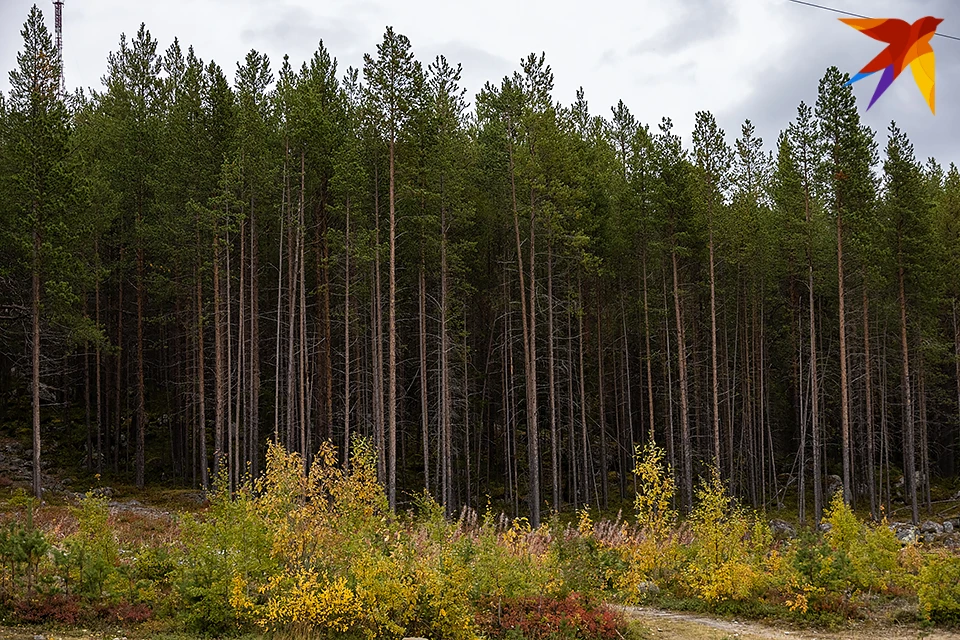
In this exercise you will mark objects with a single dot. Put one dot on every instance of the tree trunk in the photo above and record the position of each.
(814, 382)
(649, 354)
(141, 390)
(346, 342)
(551, 375)
(868, 392)
(446, 408)
(424, 409)
(587, 471)
(219, 390)
(844, 386)
(715, 384)
(602, 410)
(392, 342)
(201, 428)
(97, 366)
(909, 448)
(35, 359)
(685, 444)
(254, 356)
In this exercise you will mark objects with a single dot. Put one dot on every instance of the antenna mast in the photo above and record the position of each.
(58, 4)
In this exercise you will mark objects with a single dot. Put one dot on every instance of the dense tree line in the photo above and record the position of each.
(506, 297)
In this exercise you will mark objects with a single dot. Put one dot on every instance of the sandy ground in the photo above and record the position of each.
(674, 626)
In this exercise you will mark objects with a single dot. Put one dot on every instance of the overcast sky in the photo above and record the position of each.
(740, 59)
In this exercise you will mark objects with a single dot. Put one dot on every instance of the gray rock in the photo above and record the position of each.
(648, 588)
(834, 484)
(947, 526)
(906, 534)
(931, 527)
(103, 492)
(824, 527)
(782, 530)
(39, 637)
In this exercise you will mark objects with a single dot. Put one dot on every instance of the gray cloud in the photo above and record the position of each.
(699, 21)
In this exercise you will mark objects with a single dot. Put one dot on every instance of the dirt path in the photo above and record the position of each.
(668, 625)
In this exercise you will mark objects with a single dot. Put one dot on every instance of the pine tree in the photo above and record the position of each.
(39, 189)
(391, 79)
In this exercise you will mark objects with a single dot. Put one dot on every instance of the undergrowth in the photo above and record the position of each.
(315, 551)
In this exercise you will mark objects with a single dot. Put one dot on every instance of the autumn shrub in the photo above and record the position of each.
(939, 588)
(729, 548)
(652, 555)
(584, 562)
(539, 618)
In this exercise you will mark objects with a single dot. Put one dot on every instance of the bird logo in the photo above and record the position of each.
(907, 44)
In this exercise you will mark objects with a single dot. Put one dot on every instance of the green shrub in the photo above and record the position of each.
(939, 588)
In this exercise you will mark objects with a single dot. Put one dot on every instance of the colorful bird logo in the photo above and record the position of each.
(908, 44)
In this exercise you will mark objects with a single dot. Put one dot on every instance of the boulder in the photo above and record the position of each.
(648, 588)
(824, 527)
(782, 530)
(906, 534)
(102, 492)
(947, 526)
(930, 526)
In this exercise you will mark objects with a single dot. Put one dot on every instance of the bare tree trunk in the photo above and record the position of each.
(346, 343)
(276, 378)
(392, 342)
(201, 429)
(601, 392)
(868, 391)
(814, 384)
(424, 404)
(303, 375)
(118, 418)
(909, 447)
(327, 332)
(627, 393)
(35, 360)
(956, 352)
(533, 416)
(295, 441)
(844, 385)
(713, 354)
(685, 444)
(649, 354)
(924, 443)
(254, 357)
(86, 395)
(668, 368)
(587, 475)
(97, 361)
(571, 421)
(218, 369)
(378, 335)
(141, 387)
(551, 374)
(234, 448)
(447, 399)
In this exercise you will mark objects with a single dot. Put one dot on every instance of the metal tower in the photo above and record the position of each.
(58, 4)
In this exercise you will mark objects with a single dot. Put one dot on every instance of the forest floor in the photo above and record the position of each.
(658, 624)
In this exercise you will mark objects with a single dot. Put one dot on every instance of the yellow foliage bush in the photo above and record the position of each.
(728, 553)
